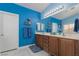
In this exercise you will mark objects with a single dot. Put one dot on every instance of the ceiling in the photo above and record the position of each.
(35, 6)
(40, 7)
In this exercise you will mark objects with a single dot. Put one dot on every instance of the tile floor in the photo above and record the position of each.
(24, 51)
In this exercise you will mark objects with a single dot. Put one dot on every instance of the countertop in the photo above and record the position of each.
(68, 36)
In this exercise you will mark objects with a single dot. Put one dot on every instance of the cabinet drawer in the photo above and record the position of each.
(45, 45)
(38, 36)
(45, 41)
(46, 37)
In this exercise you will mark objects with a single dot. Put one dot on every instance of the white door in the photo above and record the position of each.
(10, 33)
(1, 17)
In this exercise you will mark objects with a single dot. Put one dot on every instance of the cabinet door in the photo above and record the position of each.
(66, 47)
(45, 43)
(53, 45)
(39, 39)
(77, 47)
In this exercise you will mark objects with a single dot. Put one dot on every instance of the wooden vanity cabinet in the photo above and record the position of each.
(46, 43)
(66, 47)
(58, 46)
(53, 45)
(39, 40)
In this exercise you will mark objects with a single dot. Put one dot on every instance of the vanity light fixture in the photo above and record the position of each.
(54, 11)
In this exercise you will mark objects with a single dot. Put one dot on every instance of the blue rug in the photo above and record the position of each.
(35, 48)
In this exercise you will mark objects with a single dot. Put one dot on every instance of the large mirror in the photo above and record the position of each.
(40, 27)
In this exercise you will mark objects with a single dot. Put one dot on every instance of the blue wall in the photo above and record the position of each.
(24, 13)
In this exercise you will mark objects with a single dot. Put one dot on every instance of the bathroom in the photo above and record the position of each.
(40, 29)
